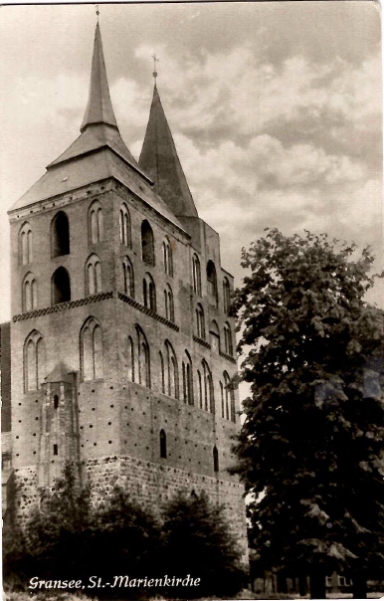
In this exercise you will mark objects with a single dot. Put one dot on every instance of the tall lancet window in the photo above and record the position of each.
(196, 275)
(226, 295)
(149, 292)
(93, 275)
(125, 226)
(25, 245)
(212, 282)
(208, 391)
(60, 235)
(147, 243)
(200, 391)
(230, 409)
(167, 257)
(91, 350)
(29, 292)
(162, 373)
(131, 359)
(169, 305)
(187, 379)
(228, 339)
(34, 361)
(144, 358)
(128, 278)
(214, 335)
(96, 223)
(200, 322)
(172, 374)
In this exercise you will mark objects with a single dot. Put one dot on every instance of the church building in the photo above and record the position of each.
(122, 344)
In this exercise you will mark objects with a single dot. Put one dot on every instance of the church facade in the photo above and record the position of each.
(123, 347)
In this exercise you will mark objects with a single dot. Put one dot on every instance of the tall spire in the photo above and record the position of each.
(160, 161)
(99, 108)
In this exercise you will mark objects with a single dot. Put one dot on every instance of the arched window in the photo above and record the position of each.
(226, 295)
(144, 358)
(91, 350)
(172, 372)
(200, 322)
(212, 282)
(95, 223)
(196, 275)
(61, 286)
(215, 459)
(167, 257)
(163, 444)
(209, 401)
(131, 359)
(34, 361)
(200, 382)
(222, 400)
(125, 226)
(169, 305)
(187, 379)
(162, 374)
(29, 296)
(128, 277)
(149, 292)
(228, 339)
(229, 407)
(55, 402)
(25, 245)
(147, 244)
(60, 235)
(214, 335)
(93, 275)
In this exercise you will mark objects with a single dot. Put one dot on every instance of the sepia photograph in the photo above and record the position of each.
(192, 301)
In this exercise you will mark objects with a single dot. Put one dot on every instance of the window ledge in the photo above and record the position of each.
(228, 357)
(201, 341)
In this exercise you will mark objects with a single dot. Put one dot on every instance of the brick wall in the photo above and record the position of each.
(5, 367)
(118, 422)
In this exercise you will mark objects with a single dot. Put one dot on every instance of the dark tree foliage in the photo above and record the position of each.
(198, 541)
(70, 539)
(311, 448)
(127, 541)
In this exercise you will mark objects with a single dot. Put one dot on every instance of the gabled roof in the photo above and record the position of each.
(60, 373)
(93, 138)
(160, 161)
(91, 168)
(97, 154)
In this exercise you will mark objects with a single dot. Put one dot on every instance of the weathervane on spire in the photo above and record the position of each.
(97, 12)
(155, 60)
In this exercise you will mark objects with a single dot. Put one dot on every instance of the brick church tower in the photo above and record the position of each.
(122, 343)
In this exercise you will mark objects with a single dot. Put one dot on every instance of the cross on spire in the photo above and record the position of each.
(97, 12)
(155, 60)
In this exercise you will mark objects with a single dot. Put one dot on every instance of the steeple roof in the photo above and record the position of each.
(159, 159)
(99, 127)
(98, 153)
(99, 108)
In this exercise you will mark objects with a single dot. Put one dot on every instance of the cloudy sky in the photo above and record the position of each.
(275, 108)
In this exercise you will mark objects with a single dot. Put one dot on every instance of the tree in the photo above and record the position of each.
(58, 534)
(69, 538)
(311, 448)
(127, 541)
(198, 541)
